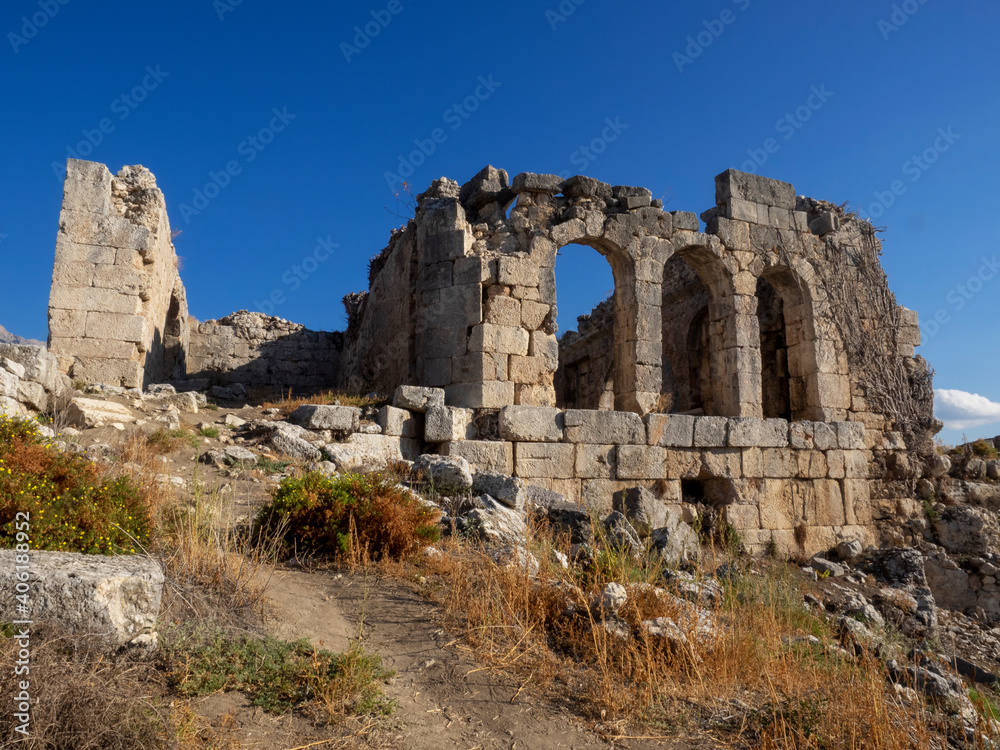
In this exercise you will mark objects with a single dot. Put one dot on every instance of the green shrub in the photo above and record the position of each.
(69, 504)
(278, 675)
(984, 449)
(350, 514)
(209, 432)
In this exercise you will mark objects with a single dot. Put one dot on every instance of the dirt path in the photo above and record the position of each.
(443, 701)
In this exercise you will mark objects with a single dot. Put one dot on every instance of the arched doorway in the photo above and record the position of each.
(776, 399)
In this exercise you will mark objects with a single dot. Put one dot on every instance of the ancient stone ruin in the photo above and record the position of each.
(761, 365)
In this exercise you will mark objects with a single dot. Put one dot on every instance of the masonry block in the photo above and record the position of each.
(641, 462)
(397, 422)
(483, 455)
(531, 424)
(670, 430)
(487, 395)
(596, 461)
(499, 339)
(443, 424)
(544, 460)
(748, 432)
(851, 435)
(710, 432)
(600, 427)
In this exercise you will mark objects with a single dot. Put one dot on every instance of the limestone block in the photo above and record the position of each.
(448, 245)
(851, 435)
(857, 502)
(479, 366)
(84, 413)
(533, 314)
(499, 339)
(114, 597)
(710, 432)
(641, 462)
(65, 297)
(812, 464)
(125, 280)
(186, 403)
(545, 346)
(32, 395)
(544, 460)
(87, 187)
(530, 370)
(444, 343)
(777, 510)
(735, 235)
(600, 427)
(836, 466)
(824, 503)
(514, 270)
(486, 395)
(95, 348)
(742, 517)
(856, 464)
(682, 464)
(415, 398)
(321, 417)
(503, 311)
(531, 424)
(117, 327)
(397, 422)
(670, 430)
(722, 463)
(447, 423)
(800, 435)
(483, 455)
(471, 270)
(735, 184)
(438, 372)
(824, 436)
(530, 182)
(596, 461)
(121, 372)
(456, 306)
(534, 395)
(67, 323)
(68, 251)
(753, 463)
(749, 432)
(361, 452)
(780, 463)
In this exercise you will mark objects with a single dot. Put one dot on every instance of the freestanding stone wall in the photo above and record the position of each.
(117, 308)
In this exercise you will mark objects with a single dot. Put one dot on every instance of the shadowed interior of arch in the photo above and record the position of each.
(687, 386)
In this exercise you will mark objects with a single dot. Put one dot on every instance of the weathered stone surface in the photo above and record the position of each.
(186, 403)
(362, 452)
(483, 455)
(394, 421)
(746, 432)
(642, 508)
(531, 424)
(596, 461)
(674, 541)
(572, 520)
(506, 490)
(641, 462)
(447, 423)
(88, 412)
(544, 460)
(601, 427)
(670, 430)
(417, 399)
(620, 536)
(116, 597)
(496, 523)
(321, 417)
(447, 473)
(710, 432)
(851, 435)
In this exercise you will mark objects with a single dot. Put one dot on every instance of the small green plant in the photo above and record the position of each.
(771, 548)
(984, 704)
(272, 466)
(930, 512)
(278, 675)
(209, 432)
(210, 406)
(167, 441)
(349, 515)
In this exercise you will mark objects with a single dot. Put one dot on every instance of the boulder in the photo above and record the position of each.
(644, 510)
(288, 442)
(495, 523)
(613, 598)
(320, 417)
(446, 473)
(675, 542)
(572, 519)
(88, 412)
(117, 597)
(415, 398)
(509, 491)
(620, 535)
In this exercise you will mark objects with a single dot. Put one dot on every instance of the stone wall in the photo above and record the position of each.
(117, 308)
(260, 351)
(30, 380)
(585, 378)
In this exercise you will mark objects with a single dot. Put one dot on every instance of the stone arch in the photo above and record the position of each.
(815, 364)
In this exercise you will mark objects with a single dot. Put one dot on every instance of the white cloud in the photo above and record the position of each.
(960, 410)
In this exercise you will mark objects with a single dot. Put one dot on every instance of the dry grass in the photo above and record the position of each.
(289, 403)
(751, 683)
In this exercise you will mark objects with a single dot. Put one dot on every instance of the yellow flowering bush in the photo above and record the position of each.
(71, 505)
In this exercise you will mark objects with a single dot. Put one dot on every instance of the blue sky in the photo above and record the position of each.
(893, 107)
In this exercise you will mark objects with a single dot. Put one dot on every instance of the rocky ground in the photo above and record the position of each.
(887, 602)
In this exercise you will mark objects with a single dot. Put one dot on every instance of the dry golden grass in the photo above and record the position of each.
(750, 683)
(289, 403)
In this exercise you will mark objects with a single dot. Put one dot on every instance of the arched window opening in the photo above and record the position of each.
(687, 386)
(775, 378)
(586, 324)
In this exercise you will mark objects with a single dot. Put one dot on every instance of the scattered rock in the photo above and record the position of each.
(621, 536)
(510, 491)
(446, 473)
(87, 412)
(644, 510)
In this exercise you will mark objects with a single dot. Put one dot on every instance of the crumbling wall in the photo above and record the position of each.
(585, 378)
(381, 341)
(117, 310)
(261, 351)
